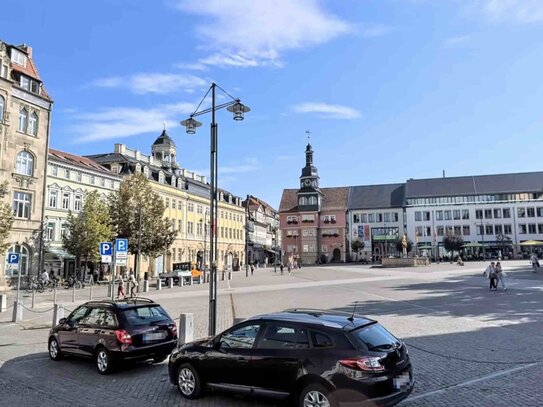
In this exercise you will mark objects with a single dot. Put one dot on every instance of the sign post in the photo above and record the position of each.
(14, 263)
(120, 255)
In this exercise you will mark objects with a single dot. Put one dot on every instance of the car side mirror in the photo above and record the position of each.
(62, 321)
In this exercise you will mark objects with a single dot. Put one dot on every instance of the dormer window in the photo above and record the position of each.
(18, 57)
(30, 84)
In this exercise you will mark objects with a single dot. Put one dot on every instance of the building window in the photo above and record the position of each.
(199, 229)
(199, 209)
(79, 176)
(540, 212)
(531, 228)
(190, 207)
(23, 120)
(167, 202)
(394, 217)
(174, 204)
(25, 163)
(3, 70)
(190, 228)
(497, 213)
(466, 230)
(448, 230)
(498, 229)
(457, 230)
(488, 213)
(522, 229)
(521, 212)
(418, 231)
(21, 205)
(507, 213)
(65, 230)
(50, 232)
(2, 107)
(480, 230)
(180, 205)
(23, 262)
(66, 200)
(364, 218)
(540, 228)
(33, 124)
(427, 231)
(67, 173)
(53, 196)
(448, 215)
(465, 214)
(531, 212)
(102, 182)
(478, 214)
(507, 229)
(78, 203)
(54, 170)
(356, 218)
(379, 217)
(426, 215)
(312, 200)
(180, 225)
(324, 248)
(386, 217)
(92, 180)
(440, 231)
(18, 57)
(439, 215)
(371, 217)
(456, 214)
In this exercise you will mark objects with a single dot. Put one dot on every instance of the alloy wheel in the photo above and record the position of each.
(53, 349)
(102, 360)
(315, 398)
(186, 381)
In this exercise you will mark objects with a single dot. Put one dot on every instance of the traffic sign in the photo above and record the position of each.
(107, 259)
(121, 262)
(13, 258)
(106, 249)
(121, 245)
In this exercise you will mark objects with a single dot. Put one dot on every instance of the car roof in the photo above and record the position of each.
(122, 303)
(326, 318)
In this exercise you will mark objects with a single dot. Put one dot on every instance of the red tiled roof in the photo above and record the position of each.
(333, 199)
(78, 160)
(254, 201)
(30, 70)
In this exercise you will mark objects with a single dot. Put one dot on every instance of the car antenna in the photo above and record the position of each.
(351, 318)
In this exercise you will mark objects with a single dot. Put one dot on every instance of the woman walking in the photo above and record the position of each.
(490, 272)
(120, 286)
(500, 275)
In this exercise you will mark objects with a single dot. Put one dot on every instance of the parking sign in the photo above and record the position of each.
(121, 245)
(106, 249)
(13, 258)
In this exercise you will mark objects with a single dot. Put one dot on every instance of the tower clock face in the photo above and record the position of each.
(307, 182)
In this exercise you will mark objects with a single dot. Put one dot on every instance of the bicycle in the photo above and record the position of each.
(72, 282)
(34, 285)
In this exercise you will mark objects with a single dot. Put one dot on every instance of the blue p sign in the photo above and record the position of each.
(106, 249)
(121, 245)
(13, 258)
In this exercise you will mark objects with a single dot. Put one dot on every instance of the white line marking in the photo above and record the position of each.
(470, 382)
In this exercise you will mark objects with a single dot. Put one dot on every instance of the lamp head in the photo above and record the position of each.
(238, 109)
(191, 124)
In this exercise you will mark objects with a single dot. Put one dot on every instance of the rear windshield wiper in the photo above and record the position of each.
(385, 346)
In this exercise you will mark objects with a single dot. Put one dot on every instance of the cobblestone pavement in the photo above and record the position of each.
(469, 346)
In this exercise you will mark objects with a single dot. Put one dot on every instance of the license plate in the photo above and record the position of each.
(154, 336)
(401, 381)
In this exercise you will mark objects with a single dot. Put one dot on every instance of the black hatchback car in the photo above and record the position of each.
(315, 357)
(113, 331)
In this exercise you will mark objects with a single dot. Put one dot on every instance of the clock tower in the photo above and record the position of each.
(309, 194)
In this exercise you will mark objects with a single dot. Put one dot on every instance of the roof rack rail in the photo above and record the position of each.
(319, 311)
(135, 300)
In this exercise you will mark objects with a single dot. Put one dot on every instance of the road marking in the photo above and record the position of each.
(470, 382)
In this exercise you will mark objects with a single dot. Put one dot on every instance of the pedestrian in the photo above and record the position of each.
(45, 277)
(120, 286)
(535, 262)
(252, 269)
(500, 275)
(281, 267)
(490, 272)
(132, 284)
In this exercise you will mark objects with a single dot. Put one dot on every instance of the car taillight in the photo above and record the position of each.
(123, 337)
(365, 363)
(173, 330)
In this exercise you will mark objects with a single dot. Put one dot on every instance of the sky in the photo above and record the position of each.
(388, 89)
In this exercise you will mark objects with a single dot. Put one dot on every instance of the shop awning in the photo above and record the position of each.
(473, 245)
(425, 247)
(59, 253)
(531, 243)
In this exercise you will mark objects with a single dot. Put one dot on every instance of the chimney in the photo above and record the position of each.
(443, 173)
(28, 49)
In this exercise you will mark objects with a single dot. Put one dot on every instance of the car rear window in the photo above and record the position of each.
(145, 315)
(374, 336)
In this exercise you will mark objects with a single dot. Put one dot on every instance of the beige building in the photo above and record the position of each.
(69, 179)
(186, 197)
(25, 111)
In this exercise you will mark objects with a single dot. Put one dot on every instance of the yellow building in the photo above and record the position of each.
(69, 178)
(186, 197)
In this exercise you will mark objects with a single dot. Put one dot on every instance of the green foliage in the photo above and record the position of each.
(89, 228)
(357, 245)
(453, 243)
(399, 246)
(6, 219)
(136, 202)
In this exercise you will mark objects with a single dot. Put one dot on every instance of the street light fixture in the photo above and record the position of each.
(238, 109)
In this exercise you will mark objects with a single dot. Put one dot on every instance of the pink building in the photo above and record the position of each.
(312, 219)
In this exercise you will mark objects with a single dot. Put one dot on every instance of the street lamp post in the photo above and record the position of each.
(247, 237)
(238, 110)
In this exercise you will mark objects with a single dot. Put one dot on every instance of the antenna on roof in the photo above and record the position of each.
(351, 318)
(443, 173)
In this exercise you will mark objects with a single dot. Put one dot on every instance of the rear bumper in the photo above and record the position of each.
(146, 352)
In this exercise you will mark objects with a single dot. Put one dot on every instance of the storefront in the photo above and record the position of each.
(383, 242)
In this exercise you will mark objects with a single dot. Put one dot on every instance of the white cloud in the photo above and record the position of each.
(328, 111)
(457, 41)
(122, 122)
(519, 11)
(252, 33)
(159, 83)
(194, 66)
(231, 170)
(376, 30)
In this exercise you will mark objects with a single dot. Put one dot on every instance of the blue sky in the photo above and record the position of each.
(390, 89)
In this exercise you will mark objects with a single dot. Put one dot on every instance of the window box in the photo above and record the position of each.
(325, 235)
(336, 235)
(333, 221)
(307, 221)
(326, 221)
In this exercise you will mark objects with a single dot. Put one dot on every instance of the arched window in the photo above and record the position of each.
(2, 106)
(25, 164)
(23, 120)
(23, 261)
(33, 124)
(312, 200)
(302, 201)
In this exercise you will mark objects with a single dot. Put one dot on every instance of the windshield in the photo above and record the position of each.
(374, 336)
(145, 315)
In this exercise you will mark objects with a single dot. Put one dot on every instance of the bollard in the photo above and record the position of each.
(181, 281)
(90, 293)
(170, 282)
(186, 329)
(17, 311)
(109, 290)
(222, 276)
(145, 286)
(73, 293)
(55, 294)
(58, 313)
(229, 275)
(158, 284)
(3, 302)
(33, 298)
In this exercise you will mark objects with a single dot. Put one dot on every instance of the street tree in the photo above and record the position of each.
(137, 213)
(357, 246)
(453, 243)
(6, 219)
(88, 228)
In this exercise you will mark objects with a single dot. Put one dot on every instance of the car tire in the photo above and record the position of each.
(160, 359)
(104, 362)
(316, 395)
(54, 349)
(188, 382)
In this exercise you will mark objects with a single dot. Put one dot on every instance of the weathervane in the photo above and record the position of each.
(164, 125)
(308, 132)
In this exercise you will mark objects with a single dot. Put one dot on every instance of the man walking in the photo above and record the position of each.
(490, 272)
(535, 262)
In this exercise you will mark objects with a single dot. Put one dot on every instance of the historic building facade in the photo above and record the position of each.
(264, 239)
(69, 179)
(25, 111)
(186, 197)
(312, 219)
